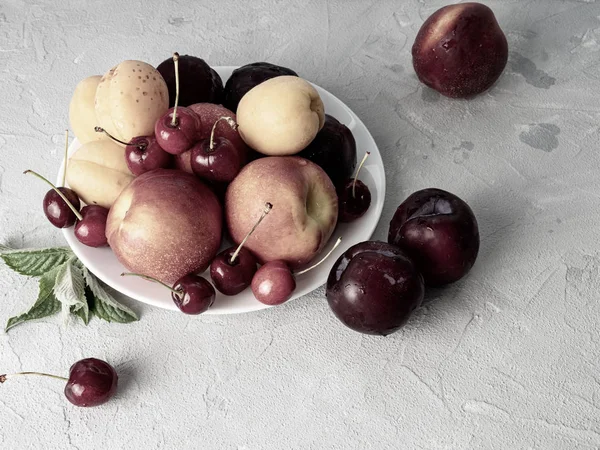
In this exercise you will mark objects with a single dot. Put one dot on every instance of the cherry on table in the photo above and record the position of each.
(274, 283)
(192, 294)
(232, 270)
(217, 159)
(354, 197)
(91, 382)
(177, 130)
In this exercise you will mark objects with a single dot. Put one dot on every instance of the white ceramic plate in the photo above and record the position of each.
(103, 263)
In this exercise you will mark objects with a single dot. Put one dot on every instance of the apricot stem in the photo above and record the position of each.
(232, 123)
(337, 243)
(268, 208)
(63, 196)
(176, 63)
(148, 278)
(356, 174)
(4, 377)
(66, 156)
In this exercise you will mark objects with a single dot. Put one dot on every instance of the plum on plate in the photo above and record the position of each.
(374, 287)
(246, 77)
(198, 82)
(439, 232)
(460, 51)
(334, 149)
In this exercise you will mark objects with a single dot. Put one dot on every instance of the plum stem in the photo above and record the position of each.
(268, 208)
(148, 278)
(176, 64)
(232, 123)
(5, 377)
(337, 243)
(63, 196)
(66, 156)
(356, 174)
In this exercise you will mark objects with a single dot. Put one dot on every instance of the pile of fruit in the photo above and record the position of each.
(172, 161)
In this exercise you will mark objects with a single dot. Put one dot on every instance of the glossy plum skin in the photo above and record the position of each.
(460, 51)
(439, 232)
(178, 138)
(352, 207)
(145, 154)
(92, 382)
(198, 82)
(231, 279)
(334, 149)
(57, 211)
(374, 287)
(91, 231)
(221, 164)
(274, 283)
(197, 294)
(246, 77)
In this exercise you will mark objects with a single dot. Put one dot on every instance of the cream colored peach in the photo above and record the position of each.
(280, 116)
(98, 172)
(82, 111)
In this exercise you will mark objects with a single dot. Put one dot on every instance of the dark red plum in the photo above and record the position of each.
(374, 287)
(246, 77)
(460, 51)
(198, 82)
(334, 149)
(439, 232)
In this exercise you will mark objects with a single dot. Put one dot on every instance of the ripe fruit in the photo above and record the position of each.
(374, 287)
(91, 228)
(439, 232)
(460, 51)
(82, 111)
(280, 116)
(354, 197)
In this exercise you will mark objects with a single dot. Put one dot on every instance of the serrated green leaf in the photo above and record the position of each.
(83, 313)
(70, 285)
(45, 305)
(104, 305)
(34, 262)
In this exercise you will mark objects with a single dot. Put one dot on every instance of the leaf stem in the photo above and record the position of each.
(154, 280)
(69, 204)
(5, 377)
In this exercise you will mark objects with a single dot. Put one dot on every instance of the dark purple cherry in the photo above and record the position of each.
(217, 159)
(177, 130)
(144, 154)
(274, 283)
(192, 294)
(91, 229)
(354, 197)
(91, 382)
(61, 205)
(232, 269)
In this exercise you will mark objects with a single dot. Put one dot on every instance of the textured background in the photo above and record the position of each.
(507, 358)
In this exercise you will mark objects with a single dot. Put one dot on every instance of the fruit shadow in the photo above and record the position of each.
(127, 375)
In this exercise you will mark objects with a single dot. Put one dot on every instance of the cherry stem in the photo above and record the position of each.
(356, 175)
(268, 208)
(337, 243)
(102, 130)
(146, 277)
(4, 377)
(66, 156)
(176, 63)
(69, 204)
(232, 123)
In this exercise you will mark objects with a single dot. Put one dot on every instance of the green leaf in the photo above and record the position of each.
(83, 313)
(34, 262)
(104, 305)
(70, 285)
(45, 305)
